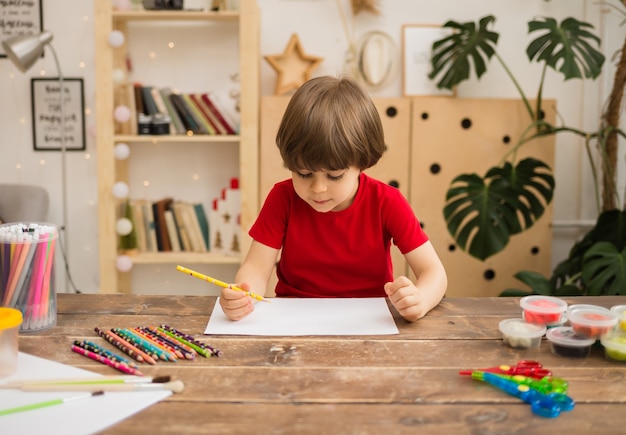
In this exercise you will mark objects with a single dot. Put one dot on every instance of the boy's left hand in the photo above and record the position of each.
(406, 298)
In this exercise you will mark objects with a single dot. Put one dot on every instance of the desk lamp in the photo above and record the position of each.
(24, 50)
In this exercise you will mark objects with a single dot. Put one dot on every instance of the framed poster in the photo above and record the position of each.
(19, 18)
(417, 42)
(46, 108)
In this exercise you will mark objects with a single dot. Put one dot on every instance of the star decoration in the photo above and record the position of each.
(294, 67)
(359, 6)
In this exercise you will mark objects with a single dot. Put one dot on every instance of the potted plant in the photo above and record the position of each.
(482, 212)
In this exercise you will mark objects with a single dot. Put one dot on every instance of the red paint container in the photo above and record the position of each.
(543, 310)
(592, 322)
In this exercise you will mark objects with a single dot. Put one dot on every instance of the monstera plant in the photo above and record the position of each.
(483, 212)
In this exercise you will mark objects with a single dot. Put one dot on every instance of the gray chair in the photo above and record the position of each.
(23, 203)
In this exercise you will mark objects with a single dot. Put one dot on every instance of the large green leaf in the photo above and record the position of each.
(610, 227)
(482, 214)
(567, 48)
(604, 270)
(451, 55)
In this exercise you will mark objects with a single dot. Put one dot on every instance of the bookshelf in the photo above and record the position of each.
(109, 132)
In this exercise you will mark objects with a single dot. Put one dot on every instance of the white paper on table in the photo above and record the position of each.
(85, 416)
(308, 316)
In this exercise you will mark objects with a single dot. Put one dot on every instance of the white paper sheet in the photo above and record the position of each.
(302, 316)
(85, 416)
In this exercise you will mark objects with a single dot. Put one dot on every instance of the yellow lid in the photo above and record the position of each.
(10, 318)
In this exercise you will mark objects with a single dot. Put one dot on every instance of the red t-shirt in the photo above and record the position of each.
(337, 254)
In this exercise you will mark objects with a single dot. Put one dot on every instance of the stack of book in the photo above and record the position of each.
(163, 111)
(169, 225)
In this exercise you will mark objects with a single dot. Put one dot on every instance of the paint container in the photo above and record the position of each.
(10, 321)
(615, 346)
(620, 311)
(543, 310)
(519, 334)
(565, 342)
(592, 322)
(575, 307)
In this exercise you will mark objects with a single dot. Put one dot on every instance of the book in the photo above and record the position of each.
(140, 226)
(204, 110)
(185, 116)
(203, 222)
(142, 119)
(160, 104)
(159, 207)
(149, 106)
(172, 231)
(181, 224)
(179, 127)
(130, 98)
(148, 219)
(210, 100)
(138, 98)
(205, 126)
(195, 234)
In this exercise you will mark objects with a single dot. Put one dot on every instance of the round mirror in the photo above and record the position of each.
(377, 58)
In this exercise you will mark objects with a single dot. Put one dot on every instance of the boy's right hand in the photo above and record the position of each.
(236, 304)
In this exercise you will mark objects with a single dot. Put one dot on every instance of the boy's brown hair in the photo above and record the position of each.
(330, 124)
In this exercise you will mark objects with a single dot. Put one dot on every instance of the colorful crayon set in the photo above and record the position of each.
(143, 345)
(27, 280)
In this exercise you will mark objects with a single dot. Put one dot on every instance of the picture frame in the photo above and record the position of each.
(46, 114)
(417, 41)
(20, 18)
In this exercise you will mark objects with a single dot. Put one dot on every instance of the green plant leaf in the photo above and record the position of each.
(604, 270)
(482, 214)
(453, 55)
(567, 48)
(610, 227)
(568, 290)
(538, 283)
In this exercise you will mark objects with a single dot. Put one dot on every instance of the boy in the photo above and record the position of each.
(334, 223)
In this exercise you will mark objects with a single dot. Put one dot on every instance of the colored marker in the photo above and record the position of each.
(104, 360)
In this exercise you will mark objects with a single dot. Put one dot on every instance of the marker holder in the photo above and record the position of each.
(27, 273)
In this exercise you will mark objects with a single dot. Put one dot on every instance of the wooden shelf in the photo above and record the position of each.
(175, 138)
(110, 170)
(171, 15)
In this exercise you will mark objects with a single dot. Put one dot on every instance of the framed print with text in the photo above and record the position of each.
(19, 18)
(417, 42)
(47, 109)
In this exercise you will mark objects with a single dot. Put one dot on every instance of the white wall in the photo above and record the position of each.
(320, 29)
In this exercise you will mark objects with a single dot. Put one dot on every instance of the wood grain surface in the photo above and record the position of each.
(357, 385)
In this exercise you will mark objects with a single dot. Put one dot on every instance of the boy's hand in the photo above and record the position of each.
(236, 304)
(406, 298)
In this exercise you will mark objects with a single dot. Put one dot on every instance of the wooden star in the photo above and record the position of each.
(359, 6)
(294, 67)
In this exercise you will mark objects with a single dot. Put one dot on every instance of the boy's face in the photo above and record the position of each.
(327, 191)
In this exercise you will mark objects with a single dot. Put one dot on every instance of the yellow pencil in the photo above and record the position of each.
(219, 283)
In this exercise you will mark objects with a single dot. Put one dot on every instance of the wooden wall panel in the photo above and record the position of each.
(440, 138)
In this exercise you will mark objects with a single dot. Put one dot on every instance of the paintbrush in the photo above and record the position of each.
(173, 386)
(47, 403)
(100, 380)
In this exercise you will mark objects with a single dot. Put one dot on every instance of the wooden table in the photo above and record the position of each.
(406, 383)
